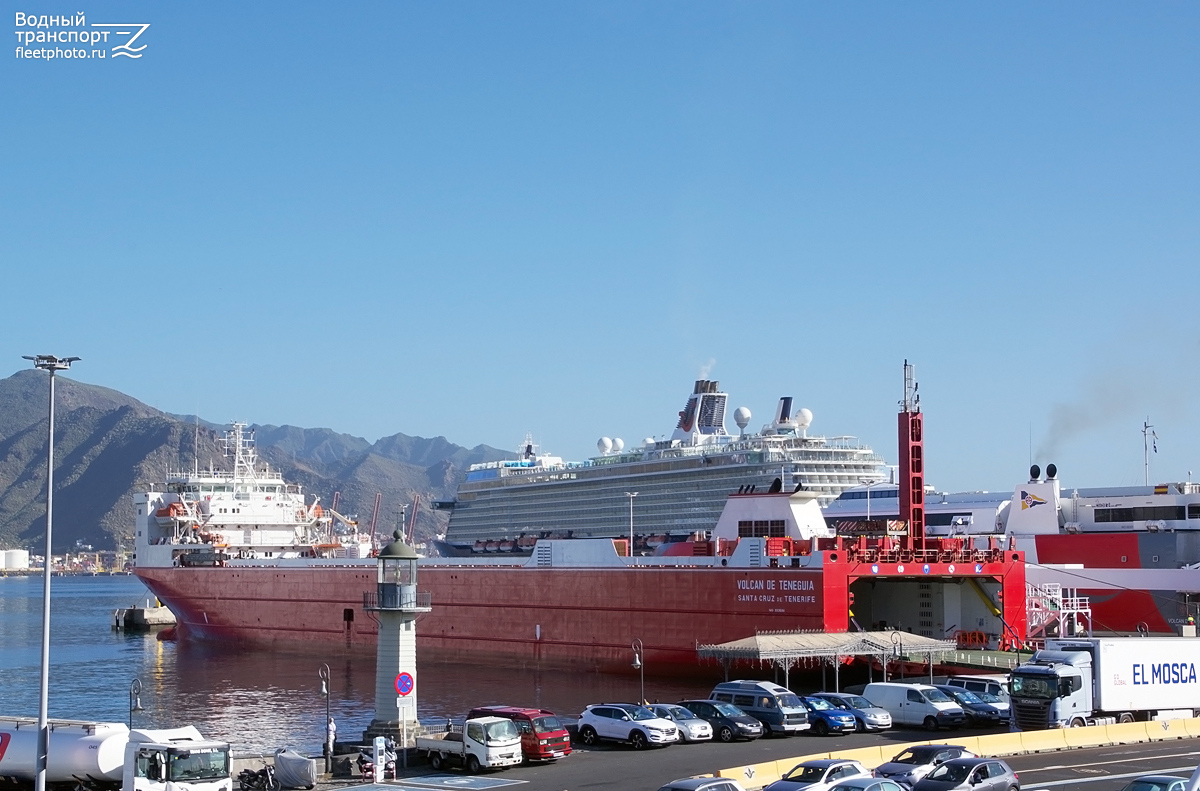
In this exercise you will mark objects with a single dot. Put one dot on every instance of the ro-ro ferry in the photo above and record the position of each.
(250, 562)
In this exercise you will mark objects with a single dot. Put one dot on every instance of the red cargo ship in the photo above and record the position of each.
(239, 556)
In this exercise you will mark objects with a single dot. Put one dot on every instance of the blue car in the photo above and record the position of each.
(826, 718)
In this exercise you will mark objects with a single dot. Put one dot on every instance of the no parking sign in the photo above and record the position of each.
(404, 684)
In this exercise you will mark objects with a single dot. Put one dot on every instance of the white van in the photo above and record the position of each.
(916, 704)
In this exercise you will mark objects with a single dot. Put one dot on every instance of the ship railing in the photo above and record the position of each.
(875, 555)
(402, 597)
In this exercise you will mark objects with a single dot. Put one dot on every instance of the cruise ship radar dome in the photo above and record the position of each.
(618, 445)
(804, 418)
(648, 442)
(604, 444)
(741, 416)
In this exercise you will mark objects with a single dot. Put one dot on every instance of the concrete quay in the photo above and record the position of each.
(142, 619)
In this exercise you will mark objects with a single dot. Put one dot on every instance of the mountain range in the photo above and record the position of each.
(108, 445)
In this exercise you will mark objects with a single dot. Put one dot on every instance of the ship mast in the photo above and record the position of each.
(912, 461)
(1149, 439)
(241, 449)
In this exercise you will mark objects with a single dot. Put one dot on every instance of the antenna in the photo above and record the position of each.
(1149, 440)
(912, 401)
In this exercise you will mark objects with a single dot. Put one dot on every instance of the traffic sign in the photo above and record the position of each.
(404, 684)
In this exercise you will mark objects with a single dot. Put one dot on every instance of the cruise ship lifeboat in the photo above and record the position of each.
(654, 542)
(480, 546)
(491, 546)
(526, 542)
(507, 545)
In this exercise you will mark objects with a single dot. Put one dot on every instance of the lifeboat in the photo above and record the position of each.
(172, 513)
(654, 542)
(480, 546)
(492, 546)
(507, 545)
(526, 542)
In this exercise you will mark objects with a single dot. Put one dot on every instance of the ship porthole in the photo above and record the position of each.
(724, 562)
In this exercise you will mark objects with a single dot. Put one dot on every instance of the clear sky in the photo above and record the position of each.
(481, 219)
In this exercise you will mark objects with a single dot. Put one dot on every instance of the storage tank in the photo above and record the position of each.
(76, 749)
(3, 560)
(17, 559)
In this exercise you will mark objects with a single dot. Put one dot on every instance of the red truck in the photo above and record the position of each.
(543, 736)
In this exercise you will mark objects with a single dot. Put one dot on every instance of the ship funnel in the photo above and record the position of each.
(703, 416)
(1051, 472)
(783, 413)
(1035, 473)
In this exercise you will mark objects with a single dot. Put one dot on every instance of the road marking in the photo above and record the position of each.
(1081, 781)
(458, 781)
(1136, 757)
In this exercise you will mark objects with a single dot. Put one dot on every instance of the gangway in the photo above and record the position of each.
(1054, 611)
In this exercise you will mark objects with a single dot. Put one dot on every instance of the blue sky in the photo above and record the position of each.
(480, 219)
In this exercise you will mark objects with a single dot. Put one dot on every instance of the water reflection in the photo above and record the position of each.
(257, 700)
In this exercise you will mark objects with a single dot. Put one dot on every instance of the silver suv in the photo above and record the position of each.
(625, 722)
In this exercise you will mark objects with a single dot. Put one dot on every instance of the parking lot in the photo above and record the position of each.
(615, 766)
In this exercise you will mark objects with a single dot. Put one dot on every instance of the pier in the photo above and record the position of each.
(142, 618)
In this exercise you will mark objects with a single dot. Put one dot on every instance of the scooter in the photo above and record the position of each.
(366, 764)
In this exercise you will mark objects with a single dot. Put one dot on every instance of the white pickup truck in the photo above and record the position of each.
(485, 743)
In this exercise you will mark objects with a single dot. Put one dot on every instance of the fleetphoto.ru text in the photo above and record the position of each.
(72, 37)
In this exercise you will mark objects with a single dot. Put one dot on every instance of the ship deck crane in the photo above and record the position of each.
(410, 530)
(375, 513)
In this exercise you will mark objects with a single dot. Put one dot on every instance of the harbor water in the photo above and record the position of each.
(257, 700)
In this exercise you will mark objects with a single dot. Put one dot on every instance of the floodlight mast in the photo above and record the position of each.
(47, 362)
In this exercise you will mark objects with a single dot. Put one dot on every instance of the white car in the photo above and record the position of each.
(703, 784)
(691, 727)
(625, 722)
(819, 775)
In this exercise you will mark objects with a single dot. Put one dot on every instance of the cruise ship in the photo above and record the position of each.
(663, 491)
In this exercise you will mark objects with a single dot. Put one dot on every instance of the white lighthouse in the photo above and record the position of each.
(397, 605)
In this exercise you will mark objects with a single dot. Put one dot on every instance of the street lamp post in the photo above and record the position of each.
(328, 750)
(638, 651)
(898, 650)
(135, 699)
(47, 362)
(869, 484)
(631, 495)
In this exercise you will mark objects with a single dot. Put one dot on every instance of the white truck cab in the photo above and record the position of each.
(173, 760)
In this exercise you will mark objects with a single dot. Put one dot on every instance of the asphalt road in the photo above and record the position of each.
(616, 767)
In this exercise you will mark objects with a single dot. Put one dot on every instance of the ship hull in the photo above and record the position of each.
(552, 616)
(1135, 581)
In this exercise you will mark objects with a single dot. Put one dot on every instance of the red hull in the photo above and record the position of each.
(583, 619)
(1159, 611)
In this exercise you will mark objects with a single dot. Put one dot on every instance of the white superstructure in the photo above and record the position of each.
(677, 486)
(246, 512)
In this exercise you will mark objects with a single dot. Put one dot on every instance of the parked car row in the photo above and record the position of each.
(937, 767)
(750, 709)
(933, 767)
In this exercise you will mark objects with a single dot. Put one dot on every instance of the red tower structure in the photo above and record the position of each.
(912, 462)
